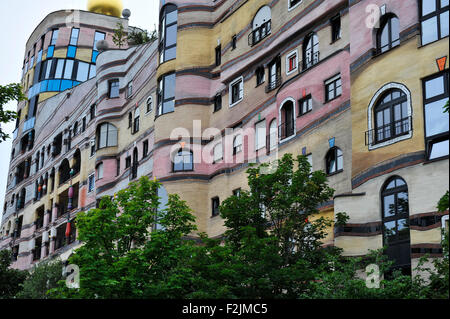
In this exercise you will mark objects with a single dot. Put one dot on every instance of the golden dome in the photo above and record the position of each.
(108, 7)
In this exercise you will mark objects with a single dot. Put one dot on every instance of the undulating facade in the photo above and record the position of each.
(358, 87)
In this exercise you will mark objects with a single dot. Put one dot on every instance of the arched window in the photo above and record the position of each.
(261, 25)
(168, 33)
(311, 52)
(273, 135)
(388, 35)
(237, 144)
(137, 114)
(334, 161)
(287, 126)
(64, 172)
(100, 171)
(149, 104)
(77, 164)
(183, 161)
(391, 116)
(395, 218)
(218, 153)
(106, 135)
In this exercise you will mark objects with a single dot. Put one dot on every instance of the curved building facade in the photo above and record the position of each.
(229, 83)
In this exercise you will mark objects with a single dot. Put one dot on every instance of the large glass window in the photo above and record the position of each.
(391, 116)
(168, 33)
(113, 89)
(389, 34)
(434, 20)
(106, 135)
(395, 217)
(166, 94)
(436, 95)
(183, 161)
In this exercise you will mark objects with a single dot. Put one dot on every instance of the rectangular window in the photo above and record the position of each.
(74, 36)
(91, 183)
(54, 36)
(260, 138)
(129, 90)
(436, 95)
(92, 147)
(236, 91)
(305, 105)
(100, 171)
(215, 203)
(82, 72)
(218, 55)
(166, 94)
(98, 37)
(128, 162)
(218, 152)
(217, 102)
(335, 28)
(333, 88)
(118, 166)
(233, 42)
(434, 20)
(92, 112)
(260, 75)
(113, 89)
(237, 192)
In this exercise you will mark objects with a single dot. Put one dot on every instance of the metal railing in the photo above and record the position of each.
(286, 130)
(388, 131)
(274, 84)
(260, 33)
(310, 61)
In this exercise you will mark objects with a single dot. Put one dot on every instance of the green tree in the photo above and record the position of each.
(40, 279)
(123, 256)
(8, 93)
(120, 35)
(137, 36)
(10, 279)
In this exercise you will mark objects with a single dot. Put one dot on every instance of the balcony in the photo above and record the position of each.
(310, 61)
(389, 131)
(260, 33)
(274, 83)
(286, 130)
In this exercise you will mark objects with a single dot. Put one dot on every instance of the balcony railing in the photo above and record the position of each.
(310, 61)
(286, 130)
(260, 33)
(274, 84)
(389, 131)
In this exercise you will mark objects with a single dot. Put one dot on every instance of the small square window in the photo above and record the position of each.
(305, 105)
(236, 91)
(291, 62)
(113, 89)
(333, 88)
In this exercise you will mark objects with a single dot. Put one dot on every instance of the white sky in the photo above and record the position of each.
(18, 19)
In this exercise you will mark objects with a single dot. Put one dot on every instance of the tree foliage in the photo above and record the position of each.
(11, 92)
(10, 279)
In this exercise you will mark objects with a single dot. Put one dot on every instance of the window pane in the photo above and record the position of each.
(92, 71)
(59, 69)
(389, 206)
(389, 231)
(428, 6)
(68, 70)
(439, 149)
(170, 54)
(171, 17)
(340, 162)
(434, 87)
(168, 107)
(171, 35)
(429, 30)
(384, 40)
(112, 136)
(83, 71)
(444, 3)
(403, 229)
(436, 120)
(444, 24)
(395, 29)
(402, 202)
(169, 87)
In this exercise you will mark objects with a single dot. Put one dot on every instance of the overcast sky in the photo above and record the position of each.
(18, 19)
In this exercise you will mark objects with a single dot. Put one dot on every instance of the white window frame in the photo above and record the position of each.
(230, 91)
(295, 6)
(93, 184)
(292, 53)
(98, 171)
(295, 119)
(370, 115)
(216, 157)
(257, 146)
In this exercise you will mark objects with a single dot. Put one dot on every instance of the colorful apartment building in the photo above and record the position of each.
(356, 86)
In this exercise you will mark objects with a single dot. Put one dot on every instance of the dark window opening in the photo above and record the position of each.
(334, 161)
(215, 203)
